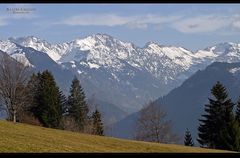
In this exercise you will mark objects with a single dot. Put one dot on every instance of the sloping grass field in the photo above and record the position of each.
(17, 137)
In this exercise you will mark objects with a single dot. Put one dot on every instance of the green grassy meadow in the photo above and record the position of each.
(18, 137)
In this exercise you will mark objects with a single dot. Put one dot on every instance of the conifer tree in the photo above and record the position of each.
(51, 110)
(97, 123)
(218, 117)
(188, 139)
(63, 102)
(33, 88)
(46, 100)
(77, 106)
(238, 111)
(230, 136)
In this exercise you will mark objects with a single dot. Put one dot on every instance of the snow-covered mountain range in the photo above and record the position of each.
(120, 72)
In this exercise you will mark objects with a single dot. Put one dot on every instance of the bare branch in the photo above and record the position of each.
(13, 80)
(152, 125)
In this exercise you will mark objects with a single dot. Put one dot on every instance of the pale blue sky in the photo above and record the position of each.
(193, 26)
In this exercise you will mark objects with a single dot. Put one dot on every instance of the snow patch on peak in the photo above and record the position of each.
(93, 65)
(205, 54)
(8, 46)
(151, 43)
(79, 72)
(26, 39)
(234, 70)
(73, 64)
(102, 36)
(22, 59)
(221, 48)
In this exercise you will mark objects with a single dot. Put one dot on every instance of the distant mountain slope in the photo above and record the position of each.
(124, 128)
(185, 104)
(110, 113)
(128, 87)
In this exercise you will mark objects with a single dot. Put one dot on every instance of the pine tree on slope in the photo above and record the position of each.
(46, 100)
(32, 88)
(77, 106)
(97, 123)
(230, 136)
(188, 139)
(238, 111)
(63, 102)
(219, 116)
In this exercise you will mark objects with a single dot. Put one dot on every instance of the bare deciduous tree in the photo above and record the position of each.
(13, 79)
(70, 124)
(88, 128)
(152, 125)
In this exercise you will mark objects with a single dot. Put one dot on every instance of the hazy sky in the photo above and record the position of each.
(193, 26)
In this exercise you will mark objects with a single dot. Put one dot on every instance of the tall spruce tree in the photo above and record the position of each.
(33, 88)
(51, 110)
(230, 136)
(63, 102)
(238, 111)
(77, 106)
(46, 100)
(97, 123)
(218, 117)
(188, 139)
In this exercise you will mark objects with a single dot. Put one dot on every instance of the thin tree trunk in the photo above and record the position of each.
(14, 116)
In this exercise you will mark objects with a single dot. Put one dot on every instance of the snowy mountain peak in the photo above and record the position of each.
(7, 46)
(30, 40)
(162, 61)
(53, 50)
(107, 40)
(221, 47)
(102, 36)
(14, 51)
(222, 52)
(102, 48)
(97, 38)
(152, 43)
(94, 40)
(168, 51)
